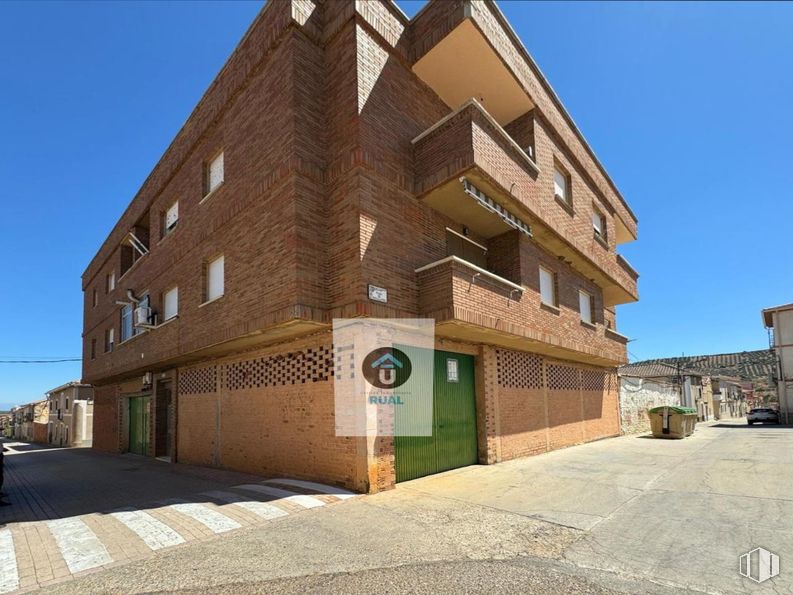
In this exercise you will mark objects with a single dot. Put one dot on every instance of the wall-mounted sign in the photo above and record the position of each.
(378, 294)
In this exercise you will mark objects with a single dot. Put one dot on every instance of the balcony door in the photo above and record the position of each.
(462, 247)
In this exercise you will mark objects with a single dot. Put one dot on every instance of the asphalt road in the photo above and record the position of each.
(626, 515)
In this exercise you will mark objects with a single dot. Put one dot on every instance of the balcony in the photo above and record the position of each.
(467, 161)
(470, 303)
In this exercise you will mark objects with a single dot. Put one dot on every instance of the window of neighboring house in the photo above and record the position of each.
(585, 306)
(67, 405)
(170, 303)
(127, 328)
(93, 348)
(95, 298)
(547, 287)
(110, 336)
(561, 185)
(170, 218)
(599, 224)
(214, 174)
(214, 279)
(110, 284)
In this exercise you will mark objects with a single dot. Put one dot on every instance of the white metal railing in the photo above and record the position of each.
(478, 270)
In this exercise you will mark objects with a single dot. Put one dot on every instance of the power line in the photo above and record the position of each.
(40, 361)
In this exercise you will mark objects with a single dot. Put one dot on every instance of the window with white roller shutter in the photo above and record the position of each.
(170, 303)
(215, 279)
(214, 174)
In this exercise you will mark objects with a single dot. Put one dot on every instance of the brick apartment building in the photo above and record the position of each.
(345, 148)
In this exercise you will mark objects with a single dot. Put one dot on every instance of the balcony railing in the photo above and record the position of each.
(470, 302)
(469, 149)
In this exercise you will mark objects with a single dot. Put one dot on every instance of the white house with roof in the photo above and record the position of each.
(71, 414)
(779, 321)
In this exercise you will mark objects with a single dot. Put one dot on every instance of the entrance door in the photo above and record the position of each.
(139, 425)
(453, 440)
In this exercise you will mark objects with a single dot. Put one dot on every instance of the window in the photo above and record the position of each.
(585, 306)
(452, 370)
(95, 298)
(599, 224)
(547, 287)
(127, 328)
(136, 244)
(67, 404)
(214, 279)
(170, 218)
(111, 282)
(214, 174)
(110, 336)
(170, 303)
(561, 185)
(93, 348)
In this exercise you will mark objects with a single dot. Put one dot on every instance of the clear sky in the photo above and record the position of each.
(687, 105)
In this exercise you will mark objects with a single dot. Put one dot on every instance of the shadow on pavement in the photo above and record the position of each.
(745, 426)
(47, 483)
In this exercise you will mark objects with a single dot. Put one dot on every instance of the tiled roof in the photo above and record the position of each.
(747, 365)
(648, 369)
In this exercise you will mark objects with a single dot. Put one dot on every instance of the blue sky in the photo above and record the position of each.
(687, 105)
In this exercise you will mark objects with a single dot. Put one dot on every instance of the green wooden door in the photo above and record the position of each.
(453, 440)
(139, 425)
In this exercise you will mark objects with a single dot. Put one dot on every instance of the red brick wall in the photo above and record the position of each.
(271, 413)
(545, 404)
(106, 418)
(315, 112)
(267, 219)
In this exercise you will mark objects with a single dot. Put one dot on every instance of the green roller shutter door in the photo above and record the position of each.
(453, 440)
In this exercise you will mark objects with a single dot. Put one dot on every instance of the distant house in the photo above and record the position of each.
(6, 423)
(30, 422)
(779, 321)
(71, 410)
(718, 386)
(644, 385)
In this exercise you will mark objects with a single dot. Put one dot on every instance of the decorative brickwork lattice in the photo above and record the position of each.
(562, 377)
(519, 370)
(612, 384)
(198, 381)
(314, 364)
(593, 380)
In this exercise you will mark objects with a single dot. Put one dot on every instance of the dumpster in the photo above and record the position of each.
(672, 422)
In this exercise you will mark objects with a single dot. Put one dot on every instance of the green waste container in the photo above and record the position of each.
(672, 422)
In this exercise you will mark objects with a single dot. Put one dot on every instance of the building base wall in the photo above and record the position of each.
(271, 412)
(542, 404)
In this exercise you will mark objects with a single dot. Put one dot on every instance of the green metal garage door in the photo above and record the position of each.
(453, 440)
(139, 425)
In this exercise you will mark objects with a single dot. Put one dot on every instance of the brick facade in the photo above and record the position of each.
(338, 159)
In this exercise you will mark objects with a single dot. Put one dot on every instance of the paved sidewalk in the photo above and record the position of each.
(624, 515)
(76, 512)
